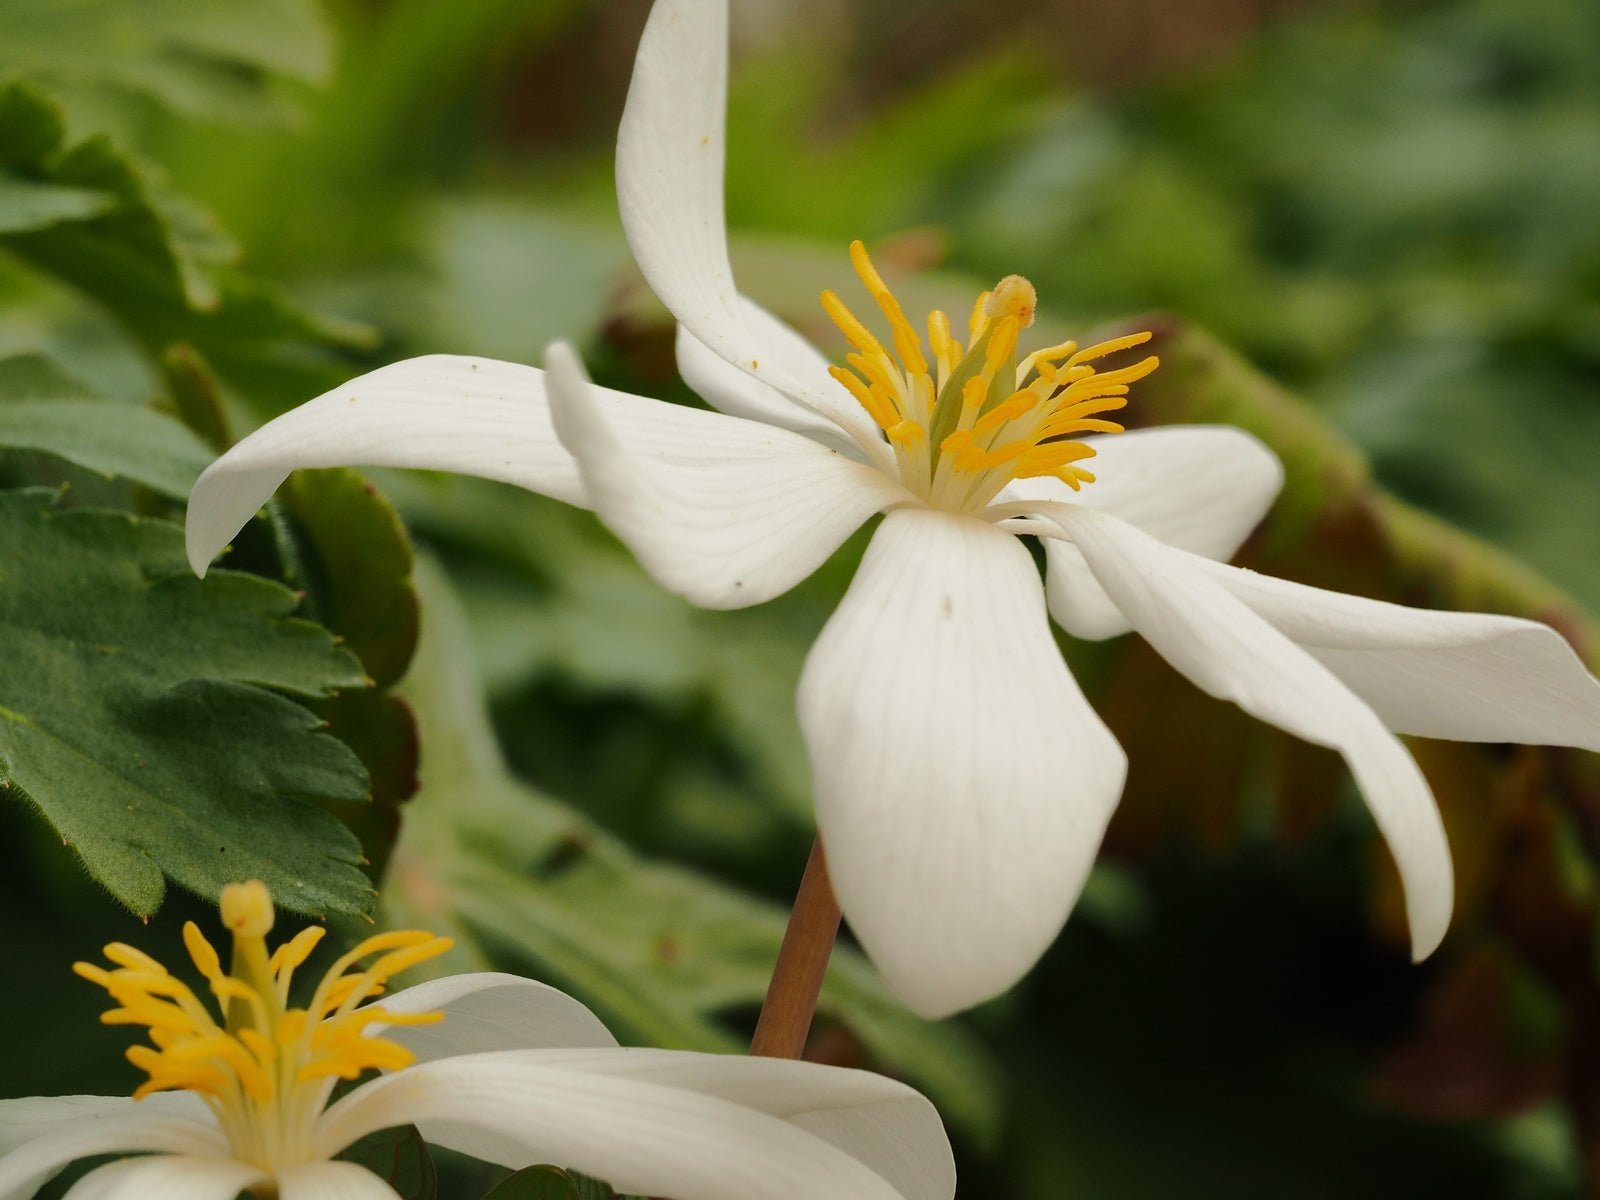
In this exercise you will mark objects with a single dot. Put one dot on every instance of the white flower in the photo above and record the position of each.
(962, 781)
(506, 1070)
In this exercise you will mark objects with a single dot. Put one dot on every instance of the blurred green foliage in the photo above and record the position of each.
(1389, 208)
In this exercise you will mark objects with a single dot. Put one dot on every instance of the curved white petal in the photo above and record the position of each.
(24, 1119)
(962, 781)
(1214, 638)
(670, 149)
(1471, 677)
(888, 1126)
(738, 393)
(107, 1131)
(477, 416)
(332, 1181)
(1202, 488)
(643, 1138)
(167, 1177)
(490, 1011)
(727, 533)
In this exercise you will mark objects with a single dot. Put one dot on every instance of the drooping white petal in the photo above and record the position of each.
(1471, 677)
(476, 416)
(642, 1138)
(167, 1177)
(962, 781)
(738, 393)
(888, 1126)
(1214, 638)
(24, 1119)
(1201, 488)
(107, 1131)
(728, 533)
(670, 149)
(332, 1181)
(491, 1011)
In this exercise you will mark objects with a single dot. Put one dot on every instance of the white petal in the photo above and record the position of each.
(490, 1011)
(1201, 488)
(476, 416)
(884, 1124)
(738, 393)
(725, 533)
(34, 1116)
(1227, 650)
(169, 1177)
(963, 783)
(1472, 677)
(641, 1137)
(104, 1131)
(332, 1181)
(669, 188)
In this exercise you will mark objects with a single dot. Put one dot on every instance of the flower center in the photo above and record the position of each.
(974, 419)
(266, 1070)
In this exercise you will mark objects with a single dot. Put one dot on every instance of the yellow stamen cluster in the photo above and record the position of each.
(972, 419)
(265, 1069)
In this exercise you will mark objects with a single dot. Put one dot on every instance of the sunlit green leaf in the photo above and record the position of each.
(43, 409)
(142, 717)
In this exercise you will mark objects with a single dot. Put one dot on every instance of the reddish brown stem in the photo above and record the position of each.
(802, 961)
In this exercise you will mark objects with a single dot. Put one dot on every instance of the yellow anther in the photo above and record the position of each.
(296, 950)
(946, 350)
(957, 442)
(259, 1069)
(1013, 406)
(1013, 296)
(134, 960)
(906, 432)
(205, 957)
(905, 337)
(1101, 349)
(401, 960)
(876, 408)
(1002, 345)
(849, 324)
(979, 320)
(960, 429)
(973, 393)
(247, 909)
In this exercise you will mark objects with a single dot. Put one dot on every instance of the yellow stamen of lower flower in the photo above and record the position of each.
(265, 1069)
(972, 421)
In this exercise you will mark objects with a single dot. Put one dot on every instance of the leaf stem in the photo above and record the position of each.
(802, 961)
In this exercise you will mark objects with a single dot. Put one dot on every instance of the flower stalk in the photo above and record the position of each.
(791, 1001)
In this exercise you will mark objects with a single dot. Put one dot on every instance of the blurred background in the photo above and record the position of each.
(1391, 211)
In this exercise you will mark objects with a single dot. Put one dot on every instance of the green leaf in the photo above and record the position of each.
(664, 955)
(214, 61)
(546, 1182)
(43, 409)
(358, 561)
(400, 1158)
(25, 204)
(137, 718)
(158, 263)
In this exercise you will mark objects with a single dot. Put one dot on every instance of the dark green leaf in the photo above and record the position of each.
(550, 1183)
(358, 560)
(43, 409)
(400, 1158)
(536, 1183)
(137, 718)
